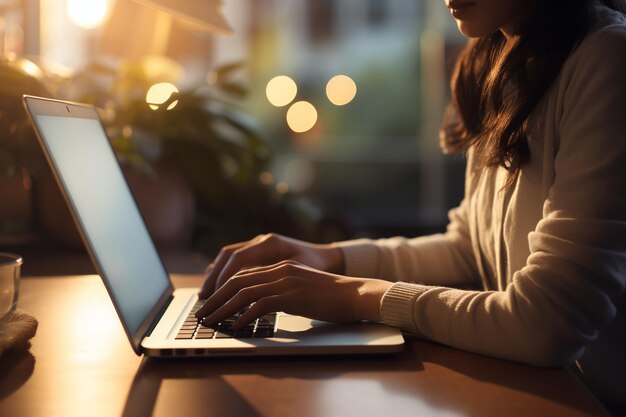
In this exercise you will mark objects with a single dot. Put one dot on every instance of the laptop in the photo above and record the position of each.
(157, 318)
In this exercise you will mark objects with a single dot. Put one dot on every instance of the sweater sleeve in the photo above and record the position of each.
(564, 295)
(441, 259)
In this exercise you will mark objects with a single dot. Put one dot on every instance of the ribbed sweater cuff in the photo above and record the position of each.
(360, 257)
(397, 305)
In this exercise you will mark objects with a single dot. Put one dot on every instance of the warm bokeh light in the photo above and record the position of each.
(87, 14)
(281, 90)
(159, 94)
(29, 67)
(127, 131)
(266, 178)
(301, 116)
(282, 188)
(341, 90)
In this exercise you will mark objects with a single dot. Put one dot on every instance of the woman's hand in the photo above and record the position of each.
(267, 250)
(296, 289)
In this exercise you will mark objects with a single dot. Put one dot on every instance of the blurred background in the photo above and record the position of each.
(317, 119)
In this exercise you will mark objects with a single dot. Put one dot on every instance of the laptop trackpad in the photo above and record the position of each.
(300, 328)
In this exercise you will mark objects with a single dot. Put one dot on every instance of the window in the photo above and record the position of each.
(372, 165)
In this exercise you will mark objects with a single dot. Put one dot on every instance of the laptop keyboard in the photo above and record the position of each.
(193, 328)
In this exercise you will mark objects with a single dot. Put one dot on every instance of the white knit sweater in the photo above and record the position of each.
(549, 254)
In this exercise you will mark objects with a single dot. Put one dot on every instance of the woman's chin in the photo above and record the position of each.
(473, 29)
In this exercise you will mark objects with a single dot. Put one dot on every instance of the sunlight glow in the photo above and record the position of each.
(87, 14)
(29, 67)
(159, 94)
(281, 90)
(341, 90)
(162, 68)
(301, 116)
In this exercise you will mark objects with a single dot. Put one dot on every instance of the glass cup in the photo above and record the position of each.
(9, 282)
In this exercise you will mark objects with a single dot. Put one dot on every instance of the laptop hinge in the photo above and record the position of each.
(154, 323)
(153, 318)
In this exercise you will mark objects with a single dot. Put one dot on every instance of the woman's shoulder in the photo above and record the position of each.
(589, 98)
(601, 55)
(607, 37)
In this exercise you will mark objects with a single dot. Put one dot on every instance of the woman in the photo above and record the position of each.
(539, 107)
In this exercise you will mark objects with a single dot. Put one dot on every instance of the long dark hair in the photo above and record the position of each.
(496, 84)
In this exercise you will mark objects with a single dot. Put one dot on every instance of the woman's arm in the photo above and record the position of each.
(565, 294)
(441, 259)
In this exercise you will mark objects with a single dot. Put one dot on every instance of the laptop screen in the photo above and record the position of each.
(111, 222)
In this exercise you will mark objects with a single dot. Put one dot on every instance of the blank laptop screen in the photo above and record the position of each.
(111, 220)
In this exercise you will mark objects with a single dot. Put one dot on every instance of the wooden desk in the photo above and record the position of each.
(80, 364)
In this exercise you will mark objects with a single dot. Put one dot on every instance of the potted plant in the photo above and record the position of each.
(197, 140)
(20, 157)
